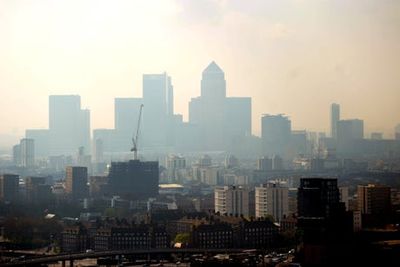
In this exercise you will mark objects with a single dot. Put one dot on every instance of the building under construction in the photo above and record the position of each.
(134, 179)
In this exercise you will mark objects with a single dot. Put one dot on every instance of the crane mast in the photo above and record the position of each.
(135, 138)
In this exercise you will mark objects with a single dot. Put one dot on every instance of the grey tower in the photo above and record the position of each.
(335, 117)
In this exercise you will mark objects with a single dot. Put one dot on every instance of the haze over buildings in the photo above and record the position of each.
(282, 60)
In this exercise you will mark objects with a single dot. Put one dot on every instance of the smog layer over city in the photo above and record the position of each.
(199, 133)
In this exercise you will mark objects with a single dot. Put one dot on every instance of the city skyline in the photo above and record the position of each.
(353, 66)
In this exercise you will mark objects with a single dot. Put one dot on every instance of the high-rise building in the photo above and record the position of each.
(275, 134)
(316, 197)
(126, 117)
(272, 199)
(237, 121)
(69, 125)
(37, 189)
(220, 120)
(134, 179)
(373, 199)
(27, 147)
(232, 200)
(9, 185)
(335, 117)
(348, 133)
(158, 110)
(76, 182)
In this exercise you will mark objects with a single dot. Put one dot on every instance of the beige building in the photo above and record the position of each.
(373, 199)
(272, 199)
(232, 200)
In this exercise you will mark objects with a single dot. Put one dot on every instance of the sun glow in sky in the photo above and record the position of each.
(291, 56)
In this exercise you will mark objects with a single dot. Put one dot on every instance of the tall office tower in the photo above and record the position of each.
(335, 117)
(37, 190)
(272, 199)
(212, 107)
(27, 147)
(348, 133)
(374, 199)
(9, 185)
(76, 182)
(275, 134)
(316, 197)
(323, 221)
(126, 117)
(17, 155)
(237, 121)
(158, 110)
(69, 125)
(232, 200)
(134, 179)
(264, 164)
(221, 120)
(397, 132)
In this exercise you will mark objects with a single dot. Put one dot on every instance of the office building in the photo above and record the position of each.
(134, 179)
(272, 199)
(158, 110)
(76, 182)
(335, 117)
(316, 197)
(9, 185)
(232, 200)
(220, 120)
(126, 115)
(69, 128)
(348, 133)
(37, 190)
(275, 134)
(374, 199)
(69, 125)
(27, 147)
(237, 121)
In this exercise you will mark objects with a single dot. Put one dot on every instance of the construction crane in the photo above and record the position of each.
(135, 138)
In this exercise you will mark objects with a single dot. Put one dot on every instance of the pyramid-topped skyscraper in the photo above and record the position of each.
(219, 119)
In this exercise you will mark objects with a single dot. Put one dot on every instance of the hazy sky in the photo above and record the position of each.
(291, 56)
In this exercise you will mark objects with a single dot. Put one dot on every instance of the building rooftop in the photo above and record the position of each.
(213, 68)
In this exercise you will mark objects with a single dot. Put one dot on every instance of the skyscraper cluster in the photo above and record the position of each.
(216, 122)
